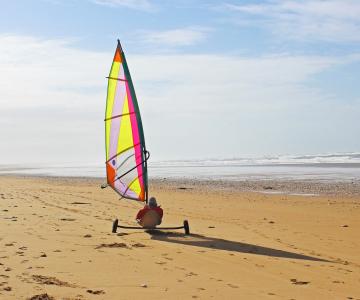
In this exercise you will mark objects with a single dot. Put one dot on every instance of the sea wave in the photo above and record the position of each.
(318, 159)
(336, 166)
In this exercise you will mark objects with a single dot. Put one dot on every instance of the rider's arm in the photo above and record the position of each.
(141, 213)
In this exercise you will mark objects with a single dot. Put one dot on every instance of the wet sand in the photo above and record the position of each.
(55, 239)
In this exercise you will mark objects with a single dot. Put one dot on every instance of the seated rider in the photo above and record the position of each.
(151, 205)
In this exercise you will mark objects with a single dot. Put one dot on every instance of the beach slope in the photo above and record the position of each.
(55, 239)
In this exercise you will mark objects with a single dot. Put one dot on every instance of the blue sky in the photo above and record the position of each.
(213, 78)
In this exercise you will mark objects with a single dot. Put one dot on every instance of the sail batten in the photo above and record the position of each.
(117, 154)
(118, 116)
(119, 79)
(126, 153)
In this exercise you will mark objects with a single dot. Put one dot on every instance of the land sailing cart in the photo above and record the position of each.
(126, 154)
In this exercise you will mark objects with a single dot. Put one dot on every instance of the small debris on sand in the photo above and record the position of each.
(344, 225)
(67, 219)
(268, 187)
(113, 245)
(8, 288)
(144, 285)
(295, 281)
(337, 281)
(211, 226)
(96, 292)
(51, 281)
(191, 274)
(87, 236)
(138, 245)
(41, 297)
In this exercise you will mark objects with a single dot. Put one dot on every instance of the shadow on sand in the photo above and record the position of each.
(198, 240)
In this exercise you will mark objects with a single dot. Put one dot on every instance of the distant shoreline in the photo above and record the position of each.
(230, 171)
(268, 186)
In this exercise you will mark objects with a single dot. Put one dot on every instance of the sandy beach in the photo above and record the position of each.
(55, 239)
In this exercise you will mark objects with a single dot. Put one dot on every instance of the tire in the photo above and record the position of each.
(115, 226)
(186, 227)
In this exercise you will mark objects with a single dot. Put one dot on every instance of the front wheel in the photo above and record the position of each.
(115, 226)
(186, 227)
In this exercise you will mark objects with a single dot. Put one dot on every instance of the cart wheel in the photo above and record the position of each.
(115, 226)
(186, 227)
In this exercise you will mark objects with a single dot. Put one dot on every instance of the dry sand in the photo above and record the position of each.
(55, 239)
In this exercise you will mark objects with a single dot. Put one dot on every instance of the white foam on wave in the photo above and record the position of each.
(334, 158)
(329, 167)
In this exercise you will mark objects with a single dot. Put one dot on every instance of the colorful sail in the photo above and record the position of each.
(126, 154)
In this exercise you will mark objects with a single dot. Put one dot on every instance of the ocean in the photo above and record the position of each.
(323, 167)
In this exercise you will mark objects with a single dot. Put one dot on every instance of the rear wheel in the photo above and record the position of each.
(186, 227)
(115, 226)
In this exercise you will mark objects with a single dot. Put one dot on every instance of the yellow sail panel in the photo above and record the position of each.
(126, 140)
(110, 101)
(135, 186)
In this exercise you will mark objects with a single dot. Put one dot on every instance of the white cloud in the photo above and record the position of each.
(32, 68)
(332, 20)
(50, 96)
(175, 37)
(52, 99)
(134, 4)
